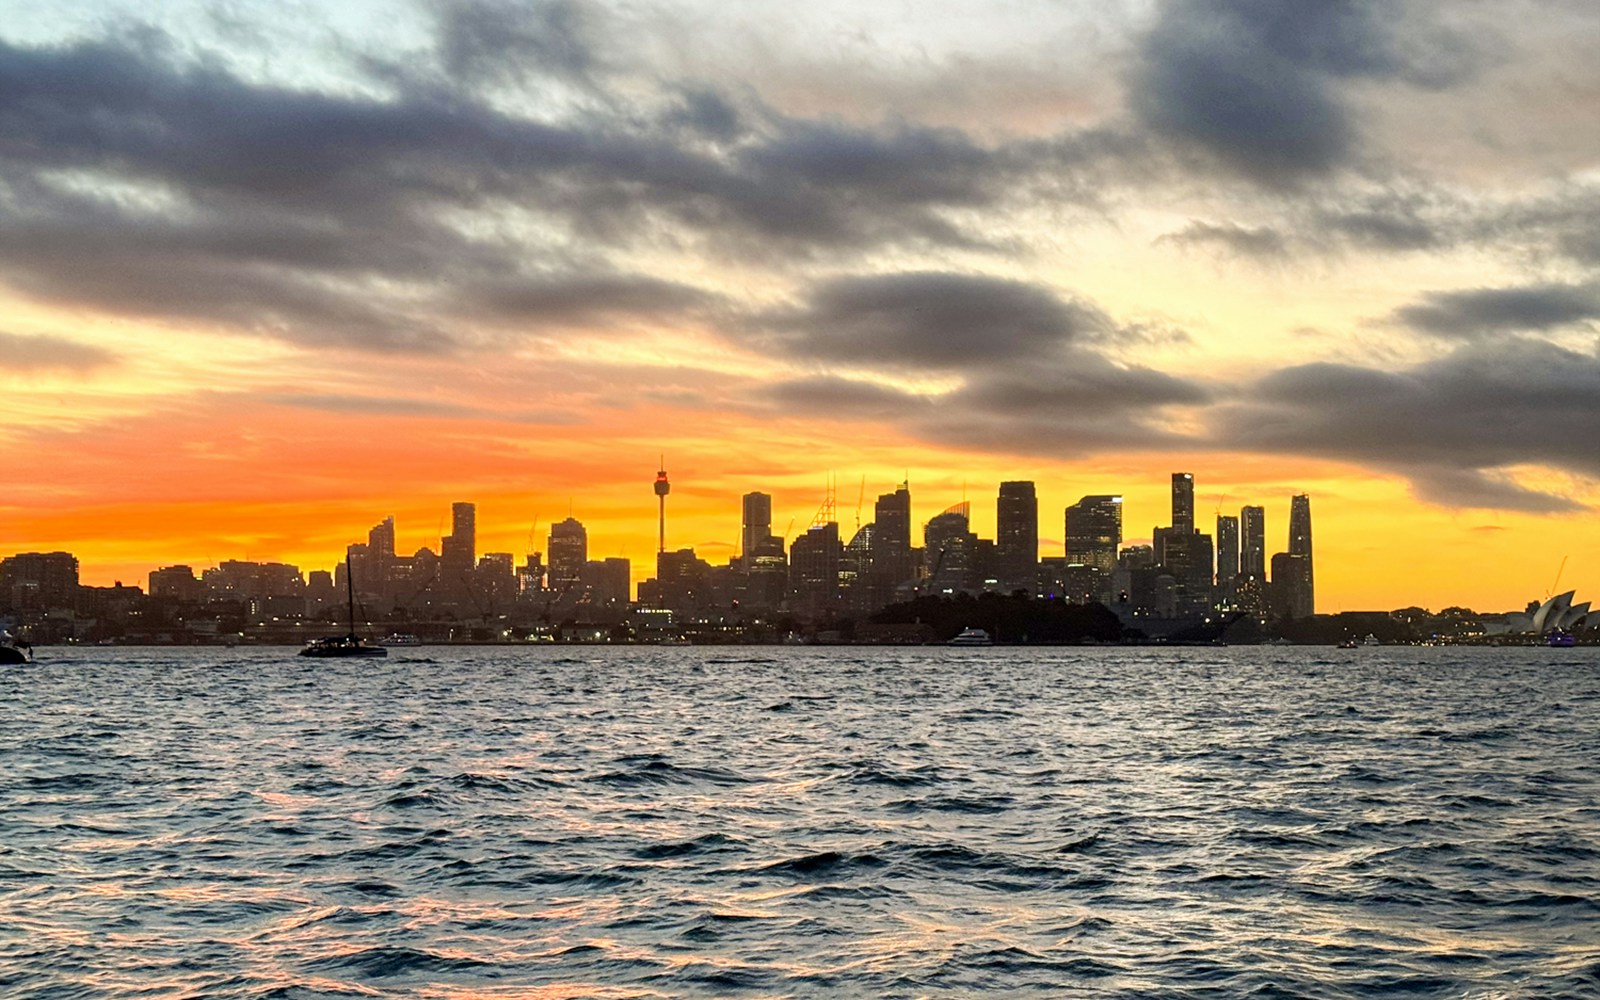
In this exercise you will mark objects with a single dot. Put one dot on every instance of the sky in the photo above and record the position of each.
(270, 272)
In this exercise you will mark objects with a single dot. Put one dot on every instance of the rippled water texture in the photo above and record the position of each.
(801, 823)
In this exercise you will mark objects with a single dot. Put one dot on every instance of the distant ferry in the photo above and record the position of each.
(971, 637)
(400, 639)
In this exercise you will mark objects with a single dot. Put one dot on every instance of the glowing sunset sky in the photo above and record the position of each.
(272, 271)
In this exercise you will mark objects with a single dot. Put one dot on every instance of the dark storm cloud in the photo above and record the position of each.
(934, 320)
(1481, 311)
(29, 353)
(1449, 424)
(1257, 84)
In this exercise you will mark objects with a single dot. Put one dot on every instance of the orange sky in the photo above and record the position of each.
(260, 288)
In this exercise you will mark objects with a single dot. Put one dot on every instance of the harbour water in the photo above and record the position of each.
(796, 822)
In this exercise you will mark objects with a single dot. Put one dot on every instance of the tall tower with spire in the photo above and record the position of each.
(662, 489)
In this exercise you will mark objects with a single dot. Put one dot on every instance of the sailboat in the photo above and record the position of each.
(348, 644)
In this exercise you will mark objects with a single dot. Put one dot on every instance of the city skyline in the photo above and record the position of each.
(264, 274)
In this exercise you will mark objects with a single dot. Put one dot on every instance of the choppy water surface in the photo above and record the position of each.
(554, 823)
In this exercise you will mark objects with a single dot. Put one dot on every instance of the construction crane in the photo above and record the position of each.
(861, 498)
(1557, 582)
(828, 512)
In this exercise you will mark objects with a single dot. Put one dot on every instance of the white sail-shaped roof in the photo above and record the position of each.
(1551, 611)
(1572, 616)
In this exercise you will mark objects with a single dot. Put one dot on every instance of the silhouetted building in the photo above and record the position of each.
(1093, 529)
(947, 548)
(41, 581)
(768, 582)
(1016, 538)
(234, 579)
(569, 550)
(855, 573)
(1183, 502)
(891, 537)
(1291, 586)
(608, 580)
(381, 557)
(177, 583)
(757, 525)
(458, 556)
(814, 570)
(1227, 554)
(682, 583)
(1253, 543)
(495, 583)
(1300, 545)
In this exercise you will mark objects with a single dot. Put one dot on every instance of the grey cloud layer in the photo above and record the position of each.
(1257, 84)
(1449, 424)
(422, 211)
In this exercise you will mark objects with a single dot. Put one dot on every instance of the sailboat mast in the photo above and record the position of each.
(350, 590)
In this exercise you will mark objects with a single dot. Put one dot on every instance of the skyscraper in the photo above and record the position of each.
(1300, 545)
(947, 548)
(757, 525)
(891, 536)
(814, 569)
(1227, 552)
(1017, 537)
(1253, 543)
(1094, 532)
(458, 554)
(464, 530)
(569, 551)
(1183, 503)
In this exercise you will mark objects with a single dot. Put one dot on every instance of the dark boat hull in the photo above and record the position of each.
(343, 646)
(12, 655)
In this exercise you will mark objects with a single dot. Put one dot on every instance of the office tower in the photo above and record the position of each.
(757, 524)
(662, 489)
(1017, 537)
(814, 569)
(1290, 591)
(1227, 552)
(1300, 545)
(947, 548)
(1188, 560)
(768, 567)
(380, 560)
(1183, 503)
(569, 550)
(1253, 543)
(1094, 532)
(891, 537)
(464, 531)
(607, 580)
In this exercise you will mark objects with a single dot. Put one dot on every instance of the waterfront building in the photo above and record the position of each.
(568, 546)
(1016, 538)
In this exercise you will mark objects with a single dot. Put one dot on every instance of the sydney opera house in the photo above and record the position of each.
(1559, 614)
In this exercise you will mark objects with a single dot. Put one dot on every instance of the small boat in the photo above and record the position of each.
(14, 651)
(399, 639)
(971, 637)
(348, 644)
(1561, 639)
(1349, 644)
